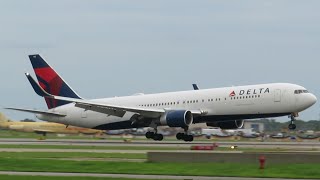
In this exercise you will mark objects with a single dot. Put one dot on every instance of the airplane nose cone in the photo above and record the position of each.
(313, 99)
(305, 101)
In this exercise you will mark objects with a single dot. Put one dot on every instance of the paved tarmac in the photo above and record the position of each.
(132, 176)
(271, 145)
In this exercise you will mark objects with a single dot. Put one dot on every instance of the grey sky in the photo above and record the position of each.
(121, 47)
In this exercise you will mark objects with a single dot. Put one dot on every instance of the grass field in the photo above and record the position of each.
(9, 177)
(194, 169)
(92, 147)
(30, 155)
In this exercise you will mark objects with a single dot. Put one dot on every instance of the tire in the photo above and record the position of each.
(149, 135)
(292, 126)
(180, 136)
(158, 137)
(188, 138)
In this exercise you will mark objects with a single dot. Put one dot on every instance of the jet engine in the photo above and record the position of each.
(236, 124)
(177, 118)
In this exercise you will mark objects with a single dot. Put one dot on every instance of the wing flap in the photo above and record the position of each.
(101, 109)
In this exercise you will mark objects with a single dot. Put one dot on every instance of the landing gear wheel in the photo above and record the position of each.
(150, 135)
(292, 126)
(158, 137)
(188, 138)
(180, 136)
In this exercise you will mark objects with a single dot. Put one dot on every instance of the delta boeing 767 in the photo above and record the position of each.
(226, 108)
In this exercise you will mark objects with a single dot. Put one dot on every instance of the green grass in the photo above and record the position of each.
(13, 177)
(30, 155)
(195, 169)
(92, 147)
(31, 135)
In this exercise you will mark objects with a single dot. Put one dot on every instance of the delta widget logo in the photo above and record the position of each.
(232, 94)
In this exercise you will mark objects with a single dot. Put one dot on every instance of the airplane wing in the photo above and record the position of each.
(102, 107)
(37, 112)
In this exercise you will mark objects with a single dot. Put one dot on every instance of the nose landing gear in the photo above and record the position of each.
(292, 126)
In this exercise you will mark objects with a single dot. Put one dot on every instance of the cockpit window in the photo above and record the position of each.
(300, 91)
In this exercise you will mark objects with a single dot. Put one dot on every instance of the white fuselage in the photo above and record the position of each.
(219, 104)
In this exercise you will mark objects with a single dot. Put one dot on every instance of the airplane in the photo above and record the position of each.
(219, 107)
(45, 127)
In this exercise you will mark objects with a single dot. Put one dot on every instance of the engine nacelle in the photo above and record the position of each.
(177, 118)
(236, 124)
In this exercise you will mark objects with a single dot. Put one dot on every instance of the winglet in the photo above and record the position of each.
(36, 87)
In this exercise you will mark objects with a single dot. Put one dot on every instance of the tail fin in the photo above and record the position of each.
(3, 118)
(51, 82)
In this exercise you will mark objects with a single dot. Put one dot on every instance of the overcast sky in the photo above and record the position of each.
(106, 48)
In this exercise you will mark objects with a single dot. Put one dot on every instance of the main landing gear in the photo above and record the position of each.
(154, 135)
(185, 136)
(292, 126)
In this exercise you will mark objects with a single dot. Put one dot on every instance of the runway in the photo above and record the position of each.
(147, 143)
(132, 176)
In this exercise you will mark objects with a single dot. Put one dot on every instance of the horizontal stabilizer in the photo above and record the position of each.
(37, 112)
(36, 87)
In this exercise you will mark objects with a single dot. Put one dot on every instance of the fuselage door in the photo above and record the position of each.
(277, 95)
